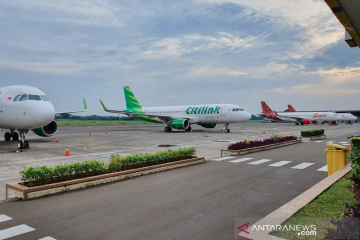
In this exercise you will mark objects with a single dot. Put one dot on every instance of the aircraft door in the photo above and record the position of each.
(2, 102)
(223, 111)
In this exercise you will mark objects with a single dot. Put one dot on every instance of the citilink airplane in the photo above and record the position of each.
(25, 108)
(181, 117)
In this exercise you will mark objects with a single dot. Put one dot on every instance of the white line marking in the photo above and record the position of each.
(318, 141)
(303, 165)
(330, 141)
(8, 178)
(4, 218)
(222, 158)
(279, 164)
(47, 238)
(15, 231)
(346, 144)
(260, 161)
(343, 142)
(240, 160)
(323, 169)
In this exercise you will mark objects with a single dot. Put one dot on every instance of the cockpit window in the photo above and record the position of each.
(17, 98)
(44, 98)
(34, 97)
(23, 97)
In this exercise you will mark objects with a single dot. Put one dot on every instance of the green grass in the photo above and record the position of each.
(71, 122)
(330, 204)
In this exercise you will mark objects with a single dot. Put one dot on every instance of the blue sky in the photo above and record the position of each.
(180, 52)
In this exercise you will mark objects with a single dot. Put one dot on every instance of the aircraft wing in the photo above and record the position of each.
(64, 113)
(134, 114)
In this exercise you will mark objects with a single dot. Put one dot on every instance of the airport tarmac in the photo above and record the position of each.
(197, 202)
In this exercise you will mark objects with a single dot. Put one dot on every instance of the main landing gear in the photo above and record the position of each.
(168, 129)
(12, 134)
(227, 129)
(22, 144)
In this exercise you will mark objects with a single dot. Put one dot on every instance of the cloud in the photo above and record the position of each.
(208, 71)
(40, 67)
(340, 74)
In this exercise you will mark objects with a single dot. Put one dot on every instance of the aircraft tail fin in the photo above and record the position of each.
(266, 108)
(291, 109)
(131, 101)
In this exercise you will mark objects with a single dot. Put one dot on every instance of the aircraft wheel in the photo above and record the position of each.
(296, 123)
(20, 145)
(188, 129)
(166, 129)
(7, 136)
(169, 129)
(302, 123)
(227, 130)
(26, 144)
(15, 136)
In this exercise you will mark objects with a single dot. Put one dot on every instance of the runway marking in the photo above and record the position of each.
(330, 141)
(260, 161)
(222, 158)
(4, 218)
(279, 164)
(303, 165)
(323, 169)
(346, 144)
(318, 141)
(47, 238)
(240, 160)
(15, 231)
(343, 142)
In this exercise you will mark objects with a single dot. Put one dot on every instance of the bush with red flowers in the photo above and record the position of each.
(251, 144)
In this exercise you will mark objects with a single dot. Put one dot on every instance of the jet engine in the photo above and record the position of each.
(46, 131)
(180, 123)
(208, 125)
(306, 121)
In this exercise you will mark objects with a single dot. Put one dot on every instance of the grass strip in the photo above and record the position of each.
(330, 204)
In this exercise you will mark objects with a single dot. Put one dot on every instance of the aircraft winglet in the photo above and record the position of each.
(85, 106)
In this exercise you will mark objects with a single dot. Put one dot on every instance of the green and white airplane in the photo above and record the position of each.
(181, 117)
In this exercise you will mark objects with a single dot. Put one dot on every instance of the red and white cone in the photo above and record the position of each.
(67, 153)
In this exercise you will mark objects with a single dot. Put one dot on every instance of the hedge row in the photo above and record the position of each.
(251, 144)
(315, 132)
(36, 176)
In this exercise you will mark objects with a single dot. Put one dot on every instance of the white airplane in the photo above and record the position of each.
(24, 108)
(181, 117)
(348, 117)
(300, 117)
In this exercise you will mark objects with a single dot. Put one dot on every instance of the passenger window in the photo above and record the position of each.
(44, 98)
(17, 98)
(234, 110)
(34, 97)
(23, 97)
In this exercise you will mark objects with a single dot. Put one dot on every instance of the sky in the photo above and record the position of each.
(179, 53)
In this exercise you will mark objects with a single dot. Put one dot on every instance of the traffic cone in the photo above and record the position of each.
(191, 131)
(264, 132)
(89, 133)
(57, 140)
(67, 153)
(221, 129)
(105, 132)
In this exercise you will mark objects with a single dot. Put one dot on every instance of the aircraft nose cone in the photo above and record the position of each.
(247, 116)
(44, 113)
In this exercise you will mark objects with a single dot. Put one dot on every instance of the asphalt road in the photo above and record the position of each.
(197, 202)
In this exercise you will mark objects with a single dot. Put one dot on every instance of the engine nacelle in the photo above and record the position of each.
(46, 131)
(180, 123)
(208, 125)
(306, 121)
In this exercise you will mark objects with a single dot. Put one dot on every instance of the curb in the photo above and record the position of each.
(283, 213)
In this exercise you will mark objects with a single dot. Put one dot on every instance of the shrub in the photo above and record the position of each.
(354, 158)
(251, 144)
(44, 175)
(315, 132)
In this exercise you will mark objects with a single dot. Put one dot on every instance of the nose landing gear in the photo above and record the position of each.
(227, 129)
(22, 144)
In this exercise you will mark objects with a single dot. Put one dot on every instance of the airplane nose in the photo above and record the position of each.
(248, 116)
(44, 113)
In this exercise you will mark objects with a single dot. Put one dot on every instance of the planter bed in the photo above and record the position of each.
(257, 149)
(318, 137)
(19, 191)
